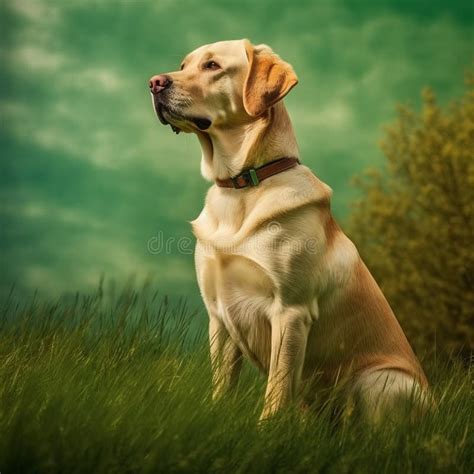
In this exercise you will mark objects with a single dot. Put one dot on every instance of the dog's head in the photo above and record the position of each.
(221, 85)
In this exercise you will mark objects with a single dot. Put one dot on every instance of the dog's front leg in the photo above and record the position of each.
(290, 331)
(226, 358)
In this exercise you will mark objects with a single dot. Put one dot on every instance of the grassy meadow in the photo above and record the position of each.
(121, 384)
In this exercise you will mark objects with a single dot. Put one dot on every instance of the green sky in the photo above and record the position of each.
(88, 174)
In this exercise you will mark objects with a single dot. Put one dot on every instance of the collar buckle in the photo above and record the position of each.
(246, 178)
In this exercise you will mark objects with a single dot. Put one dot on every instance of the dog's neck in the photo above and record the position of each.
(227, 151)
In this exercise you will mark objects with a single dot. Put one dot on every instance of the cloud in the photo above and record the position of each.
(34, 59)
(52, 213)
(73, 248)
(336, 116)
(36, 11)
(122, 134)
(116, 261)
(105, 79)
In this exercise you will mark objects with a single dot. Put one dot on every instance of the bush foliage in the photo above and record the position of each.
(414, 224)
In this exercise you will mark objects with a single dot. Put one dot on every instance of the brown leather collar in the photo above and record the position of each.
(253, 176)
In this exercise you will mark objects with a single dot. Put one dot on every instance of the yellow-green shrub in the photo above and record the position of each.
(414, 222)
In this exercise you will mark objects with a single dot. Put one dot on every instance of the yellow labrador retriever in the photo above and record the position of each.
(282, 284)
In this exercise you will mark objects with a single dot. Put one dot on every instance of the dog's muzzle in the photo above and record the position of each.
(157, 85)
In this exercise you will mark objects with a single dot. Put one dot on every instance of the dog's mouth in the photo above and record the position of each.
(167, 116)
(161, 110)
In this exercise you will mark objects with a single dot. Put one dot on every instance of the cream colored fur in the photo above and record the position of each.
(283, 286)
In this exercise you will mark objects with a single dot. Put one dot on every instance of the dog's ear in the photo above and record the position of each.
(269, 79)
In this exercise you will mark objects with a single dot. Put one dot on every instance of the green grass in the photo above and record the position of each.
(122, 384)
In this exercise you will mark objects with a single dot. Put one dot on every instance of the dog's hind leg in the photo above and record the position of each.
(389, 395)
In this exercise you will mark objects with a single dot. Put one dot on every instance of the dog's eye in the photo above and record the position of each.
(211, 65)
(182, 66)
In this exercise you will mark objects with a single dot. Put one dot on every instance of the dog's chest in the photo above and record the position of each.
(251, 259)
(238, 258)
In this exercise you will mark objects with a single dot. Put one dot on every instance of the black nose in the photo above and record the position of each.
(159, 83)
